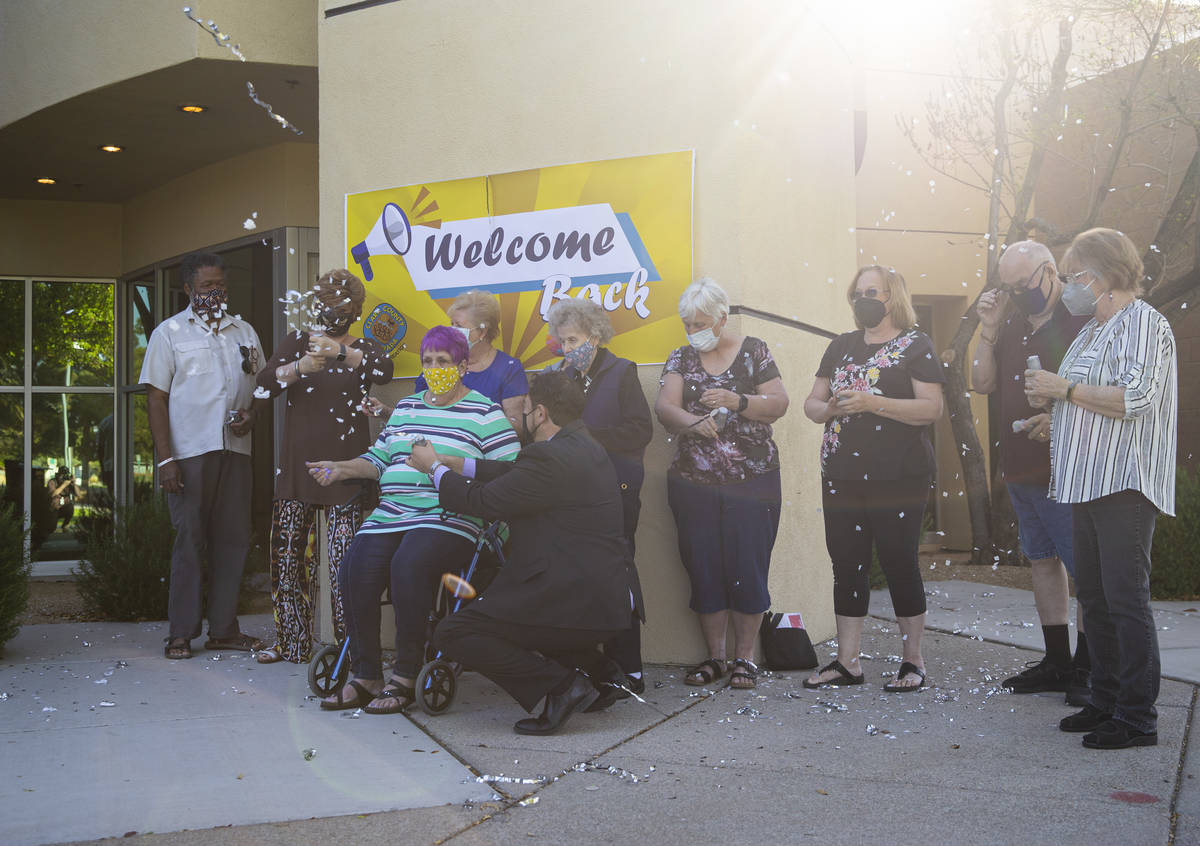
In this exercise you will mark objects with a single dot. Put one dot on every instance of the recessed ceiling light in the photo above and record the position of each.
(111, 148)
(46, 180)
(193, 108)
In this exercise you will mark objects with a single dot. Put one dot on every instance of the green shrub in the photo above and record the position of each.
(14, 573)
(125, 568)
(1175, 571)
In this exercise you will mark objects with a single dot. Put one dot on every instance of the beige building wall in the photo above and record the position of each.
(929, 227)
(416, 91)
(45, 238)
(210, 205)
(90, 44)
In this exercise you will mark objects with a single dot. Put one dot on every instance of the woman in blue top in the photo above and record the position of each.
(495, 374)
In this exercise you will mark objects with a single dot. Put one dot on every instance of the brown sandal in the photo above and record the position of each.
(744, 675)
(178, 648)
(705, 672)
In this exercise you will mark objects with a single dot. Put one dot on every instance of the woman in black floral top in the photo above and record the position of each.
(720, 395)
(877, 390)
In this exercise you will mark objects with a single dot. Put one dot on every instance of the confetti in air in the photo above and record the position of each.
(212, 29)
(280, 119)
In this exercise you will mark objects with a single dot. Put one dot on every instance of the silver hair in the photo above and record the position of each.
(584, 314)
(704, 296)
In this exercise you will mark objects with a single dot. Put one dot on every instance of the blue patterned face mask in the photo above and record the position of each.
(581, 357)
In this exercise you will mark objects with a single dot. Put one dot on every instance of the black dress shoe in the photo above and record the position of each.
(1115, 734)
(1089, 719)
(559, 708)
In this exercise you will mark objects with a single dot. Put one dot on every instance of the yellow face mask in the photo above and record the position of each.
(441, 380)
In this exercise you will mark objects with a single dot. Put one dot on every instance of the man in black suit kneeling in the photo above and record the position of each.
(569, 580)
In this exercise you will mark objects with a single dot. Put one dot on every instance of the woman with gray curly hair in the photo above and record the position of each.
(720, 394)
(618, 416)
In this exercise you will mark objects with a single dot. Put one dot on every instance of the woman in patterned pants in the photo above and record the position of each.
(325, 373)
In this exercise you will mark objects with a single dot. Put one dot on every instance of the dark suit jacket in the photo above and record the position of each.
(568, 564)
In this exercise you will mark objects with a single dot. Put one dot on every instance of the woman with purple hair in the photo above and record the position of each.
(409, 540)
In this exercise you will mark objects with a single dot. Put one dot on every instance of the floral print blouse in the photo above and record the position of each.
(868, 446)
(744, 448)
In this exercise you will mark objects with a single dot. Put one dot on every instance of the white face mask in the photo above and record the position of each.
(704, 341)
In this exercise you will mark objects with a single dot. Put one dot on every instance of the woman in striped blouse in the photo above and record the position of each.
(1112, 455)
(409, 540)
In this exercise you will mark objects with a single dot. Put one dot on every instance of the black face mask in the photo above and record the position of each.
(869, 312)
(523, 434)
(1030, 301)
(334, 323)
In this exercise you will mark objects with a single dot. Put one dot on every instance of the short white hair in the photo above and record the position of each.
(706, 297)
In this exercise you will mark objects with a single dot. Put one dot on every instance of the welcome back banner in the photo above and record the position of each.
(618, 232)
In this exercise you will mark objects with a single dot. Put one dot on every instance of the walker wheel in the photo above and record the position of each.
(322, 680)
(436, 685)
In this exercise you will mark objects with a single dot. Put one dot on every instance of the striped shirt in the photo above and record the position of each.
(1092, 455)
(473, 427)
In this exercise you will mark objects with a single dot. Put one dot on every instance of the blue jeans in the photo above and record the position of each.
(411, 563)
(1044, 526)
(1113, 535)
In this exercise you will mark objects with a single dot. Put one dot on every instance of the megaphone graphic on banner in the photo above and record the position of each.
(391, 235)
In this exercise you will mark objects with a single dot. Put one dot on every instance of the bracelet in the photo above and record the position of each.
(166, 461)
(743, 402)
(341, 352)
(1071, 390)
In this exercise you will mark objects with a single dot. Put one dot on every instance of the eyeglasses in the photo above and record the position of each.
(1068, 278)
(870, 293)
(1016, 289)
(247, 367)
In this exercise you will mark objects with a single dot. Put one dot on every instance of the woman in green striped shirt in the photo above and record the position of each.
(409, 540)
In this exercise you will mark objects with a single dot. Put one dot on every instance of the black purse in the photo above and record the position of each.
(785, 643)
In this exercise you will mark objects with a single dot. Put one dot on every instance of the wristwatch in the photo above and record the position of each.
(434, 467)
(743, 402)
(341, 356)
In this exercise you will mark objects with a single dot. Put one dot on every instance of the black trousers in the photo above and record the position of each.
(886, 515)
(527, 661)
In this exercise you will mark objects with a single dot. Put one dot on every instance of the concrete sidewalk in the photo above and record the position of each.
(959, 762)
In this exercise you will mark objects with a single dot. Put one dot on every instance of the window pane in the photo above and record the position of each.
(72, 440)
(140, 318)
(72, 333)
(12, 448)
(142, 471)
(12, 332)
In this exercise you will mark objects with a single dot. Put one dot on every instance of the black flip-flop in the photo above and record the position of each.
(405, 696)
(362, 697)
(844, 677)
(907, 668)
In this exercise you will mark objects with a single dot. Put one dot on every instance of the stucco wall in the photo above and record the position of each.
(94, 43)
(423, 91)
(209, 206)
(43, 238)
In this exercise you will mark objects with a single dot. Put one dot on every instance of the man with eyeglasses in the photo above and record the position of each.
(199, 375)
(1024, 316)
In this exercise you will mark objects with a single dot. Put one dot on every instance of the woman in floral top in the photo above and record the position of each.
(877, 390)
(720, 395)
